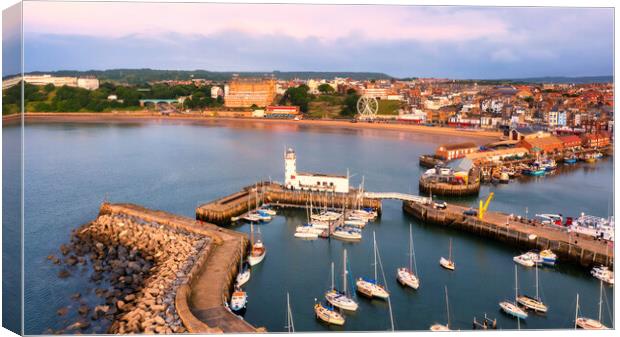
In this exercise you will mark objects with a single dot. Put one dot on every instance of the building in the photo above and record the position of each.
(216, 91)
(311, 181)
(245, 92)
(282, 110)
(542, 144)
(497, 155)
(453, 151)
(595, 140)
(520, 133)
(90, 83)
(570, 142)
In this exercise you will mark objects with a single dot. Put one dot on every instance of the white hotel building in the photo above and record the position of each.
(311, 181)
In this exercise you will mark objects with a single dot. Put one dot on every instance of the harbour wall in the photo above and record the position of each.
(209, 282)
(574, 248)
(221, 210)
(426, 186)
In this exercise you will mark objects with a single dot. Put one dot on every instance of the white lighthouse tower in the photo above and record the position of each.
(290, 169)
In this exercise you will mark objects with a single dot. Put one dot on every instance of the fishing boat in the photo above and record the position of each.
(533, 303)
(485, 324)
(347, 234)
(572, 159)
(251, 217)
(548, 257)
(588, 158)
(260, 215)
(590, 323)
(290, 325)
(549, 165)
(257, 254)
(327, 314)
(238, 300)
(524, 260)
(598, 155)
(306, 234)
(603, 273)
(504, 178)
(406, 276)
(244, 274)
(512, 308)
(370, 287)
(448, 263)
(339, 298)
(594, 226)
(441, 327)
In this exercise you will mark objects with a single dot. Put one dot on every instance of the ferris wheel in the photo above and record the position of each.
(367, 108)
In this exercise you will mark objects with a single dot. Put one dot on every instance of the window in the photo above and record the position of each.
(318, 183)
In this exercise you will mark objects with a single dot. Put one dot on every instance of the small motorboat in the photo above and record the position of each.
(327, 314)
(604, 274)
(524, 260)
(355, 223)
(570, 159)
(548, 257)
(238, 300)
(268, 210)
(504, 178)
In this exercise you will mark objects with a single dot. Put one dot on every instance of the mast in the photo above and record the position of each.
(333, 275)
(344, 273)
(289, 315)
(450, 256)
(410, 249)
(447, 306)
(516, 284)
(374, 248)
(536, 265)
(576, 311)
(600, 302)
(252, 233)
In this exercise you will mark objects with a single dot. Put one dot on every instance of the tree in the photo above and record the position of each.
(350, 104)
(326, 89)
(297, 96)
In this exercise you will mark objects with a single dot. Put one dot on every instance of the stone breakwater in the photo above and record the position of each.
(144, 262)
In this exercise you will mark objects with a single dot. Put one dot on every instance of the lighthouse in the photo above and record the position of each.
(290, 169)
(317, 182)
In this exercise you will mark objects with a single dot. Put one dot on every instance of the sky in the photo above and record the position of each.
(402, 41)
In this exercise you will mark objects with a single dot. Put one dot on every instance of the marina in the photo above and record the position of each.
(476, 257)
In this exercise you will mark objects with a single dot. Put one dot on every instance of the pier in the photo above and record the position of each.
(581, 249)
(221, 211)
(199, 300)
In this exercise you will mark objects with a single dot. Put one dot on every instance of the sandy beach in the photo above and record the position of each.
(143, 116)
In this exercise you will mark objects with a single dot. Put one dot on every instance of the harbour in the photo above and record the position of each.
(288, 259)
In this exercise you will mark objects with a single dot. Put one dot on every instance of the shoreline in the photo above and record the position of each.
(143, 116)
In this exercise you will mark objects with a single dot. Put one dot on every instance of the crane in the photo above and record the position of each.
(483, 207)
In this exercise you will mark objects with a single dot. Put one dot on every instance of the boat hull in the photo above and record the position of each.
(406, 278)
(340, 301)
(590, 324)
(447, 264)
(532, 304)
(254, 260)
(513, 310)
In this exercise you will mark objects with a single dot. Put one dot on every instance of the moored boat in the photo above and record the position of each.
(548, 257)
(524, 260)
(406, 276)
(327, 314)
(338, 298)
(347, 234)
(440, 327)
(603, 273)
(370, 287)
(512, 308)
(590, 323)
(244, 274)
(257, 254)
(448, 263)
(238, 300)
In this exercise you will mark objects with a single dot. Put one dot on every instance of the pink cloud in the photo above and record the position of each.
(324, 22)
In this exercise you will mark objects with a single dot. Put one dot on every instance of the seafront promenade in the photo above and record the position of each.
(482, 135)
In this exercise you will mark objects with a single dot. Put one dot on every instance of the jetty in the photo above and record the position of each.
(582, 249)
(191, 268)
(222, 210)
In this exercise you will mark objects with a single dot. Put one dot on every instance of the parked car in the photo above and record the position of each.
(439, 204)
(470, 212)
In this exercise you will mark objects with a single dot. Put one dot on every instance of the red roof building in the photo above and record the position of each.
(595, 140)
(570, 142)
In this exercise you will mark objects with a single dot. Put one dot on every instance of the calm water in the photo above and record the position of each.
(72, 167)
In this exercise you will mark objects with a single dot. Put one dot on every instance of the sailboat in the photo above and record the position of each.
(370, 287)
(339, 298)
(589, 323)
(244, 274)
(533, 303)
(441, 327)
(327, 314)
(290, 326)
(257, 254)
(448, 263)
(512, 308)
(406, 276)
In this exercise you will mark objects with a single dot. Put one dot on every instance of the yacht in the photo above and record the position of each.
(603, 273)
(406, 276)
(327, 314)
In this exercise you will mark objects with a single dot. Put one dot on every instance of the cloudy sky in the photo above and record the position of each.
(456, 42)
